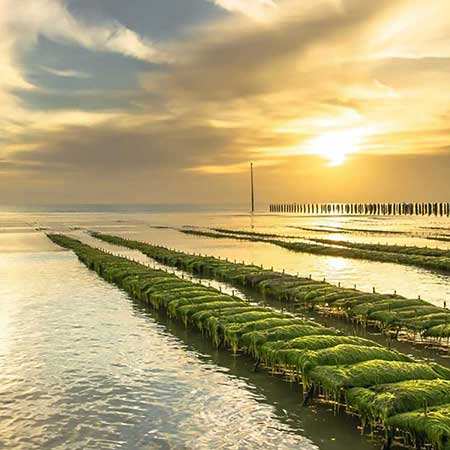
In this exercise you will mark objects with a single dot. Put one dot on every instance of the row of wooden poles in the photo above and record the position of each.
(376, 209)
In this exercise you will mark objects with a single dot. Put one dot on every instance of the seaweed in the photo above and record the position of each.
(385, 400)
(369, 373)
(431, 259)
(371, 379)
(425, 425)
(384, 311)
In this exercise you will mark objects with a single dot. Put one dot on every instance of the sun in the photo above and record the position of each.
(335, 145)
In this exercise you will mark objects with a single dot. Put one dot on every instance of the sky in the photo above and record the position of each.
(168, 101)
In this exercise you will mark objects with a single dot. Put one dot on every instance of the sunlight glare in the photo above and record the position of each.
(336, 145)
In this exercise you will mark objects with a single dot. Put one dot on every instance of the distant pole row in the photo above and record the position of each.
(363, 209)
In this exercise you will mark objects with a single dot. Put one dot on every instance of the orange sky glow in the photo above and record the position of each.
(333, 100)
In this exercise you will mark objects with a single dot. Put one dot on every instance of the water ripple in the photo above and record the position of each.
(81, 368)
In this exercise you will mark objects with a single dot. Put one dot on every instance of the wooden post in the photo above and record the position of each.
(252, 188)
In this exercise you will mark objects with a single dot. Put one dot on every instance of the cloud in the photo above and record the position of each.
(241, 90)
(248, 60)
(118, 145)
(418, 30)
(225, 169)
(52, 19)
(65, 73)
(20, 29)
(255, 9)
(305, 72)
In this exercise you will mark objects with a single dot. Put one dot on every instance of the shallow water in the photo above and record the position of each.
(415, 350)
(83, 366)
(366, 275)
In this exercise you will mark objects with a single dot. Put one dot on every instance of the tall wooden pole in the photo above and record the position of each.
(252, 188)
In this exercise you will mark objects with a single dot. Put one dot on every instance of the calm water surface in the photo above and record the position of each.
(83, 366)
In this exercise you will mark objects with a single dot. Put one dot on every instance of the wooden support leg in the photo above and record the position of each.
(308, 396)
(388, 442)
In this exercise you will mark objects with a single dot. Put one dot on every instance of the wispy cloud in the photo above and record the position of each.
(256, 9)
(22, 25)
(65, 73)
(52, 19)
(226, 169)
(241, 90)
